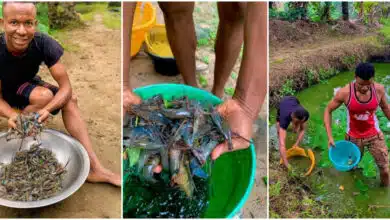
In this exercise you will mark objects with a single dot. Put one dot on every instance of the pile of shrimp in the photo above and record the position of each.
(179, 135)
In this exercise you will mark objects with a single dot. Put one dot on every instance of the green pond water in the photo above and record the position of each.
(360, 190)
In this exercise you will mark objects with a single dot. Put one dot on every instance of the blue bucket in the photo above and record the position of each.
(345, 155)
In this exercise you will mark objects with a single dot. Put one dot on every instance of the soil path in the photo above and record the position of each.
(93, 66)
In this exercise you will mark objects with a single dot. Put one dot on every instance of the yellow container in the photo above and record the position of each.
(157, 42)
(144, 19)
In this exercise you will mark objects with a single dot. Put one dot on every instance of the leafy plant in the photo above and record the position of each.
(205, 59)
(287, 88)
(274, 189)
(367, 163)
(311, 76)
(203, 81)
(203, 42)
(265, 180)
(349, 61)
(229, 91)
(361, 186)
(325, 161)
(234, 75)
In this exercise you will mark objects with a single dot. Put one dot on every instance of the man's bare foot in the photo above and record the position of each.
(104, 176)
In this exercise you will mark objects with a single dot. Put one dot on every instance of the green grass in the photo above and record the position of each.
(61, 36)
(203, 81)
(112, 20)
(229, 91)
(84, 8)
(385, 30)
(274, 189)
(87, 16)
(203, 42)
(206, 59)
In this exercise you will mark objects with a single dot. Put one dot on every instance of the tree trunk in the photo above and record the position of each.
(344, 7)
(326, 15)
(361, 11)
(62, 14)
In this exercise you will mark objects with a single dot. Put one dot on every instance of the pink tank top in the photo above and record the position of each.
(361, 119)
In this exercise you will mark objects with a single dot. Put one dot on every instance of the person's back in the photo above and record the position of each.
(287, 106)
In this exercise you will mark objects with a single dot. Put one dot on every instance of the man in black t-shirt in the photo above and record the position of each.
(22, 50)
(290, 110)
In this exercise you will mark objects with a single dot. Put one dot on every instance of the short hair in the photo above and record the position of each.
(301, 114)
(365, 71)
(7, 2)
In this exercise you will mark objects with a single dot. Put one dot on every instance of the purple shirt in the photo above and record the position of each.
(287, 106)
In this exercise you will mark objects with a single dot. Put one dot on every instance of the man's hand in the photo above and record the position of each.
(330, 142)
(12, 120)
(129, 98)
(43, 115)
(239, 122)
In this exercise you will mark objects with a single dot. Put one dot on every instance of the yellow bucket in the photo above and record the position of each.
(144, 19)
(157, 42)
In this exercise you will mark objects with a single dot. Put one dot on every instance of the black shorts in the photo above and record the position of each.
(21, 99)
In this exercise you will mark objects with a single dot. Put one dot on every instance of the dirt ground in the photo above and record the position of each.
(143, 73)
(93, 66)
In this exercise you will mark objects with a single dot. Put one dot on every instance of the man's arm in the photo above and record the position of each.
(251, 89)
(282, 145)
(63, 95)
(301, 133)
(251, 85)
(383, 102)
(128, 16)
(129, 97)
(333, 105)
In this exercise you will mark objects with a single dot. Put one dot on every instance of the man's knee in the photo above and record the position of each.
(232, 13)
(71, 103)
(177, 10)
(73, 99)
(41, 96)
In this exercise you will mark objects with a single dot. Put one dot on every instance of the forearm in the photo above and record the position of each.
(127, 22)
(251, 86)
(300, 136)
(5, 109)
(282, 146)
(386, 111)
(283, 152)
(60, 99)
(328, 122)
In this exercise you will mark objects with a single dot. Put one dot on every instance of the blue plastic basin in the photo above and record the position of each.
(345, 155)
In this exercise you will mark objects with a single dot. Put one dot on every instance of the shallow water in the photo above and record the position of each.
(359, 191)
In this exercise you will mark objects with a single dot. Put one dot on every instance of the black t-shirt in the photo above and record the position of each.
(16, 70)
(287, 106)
